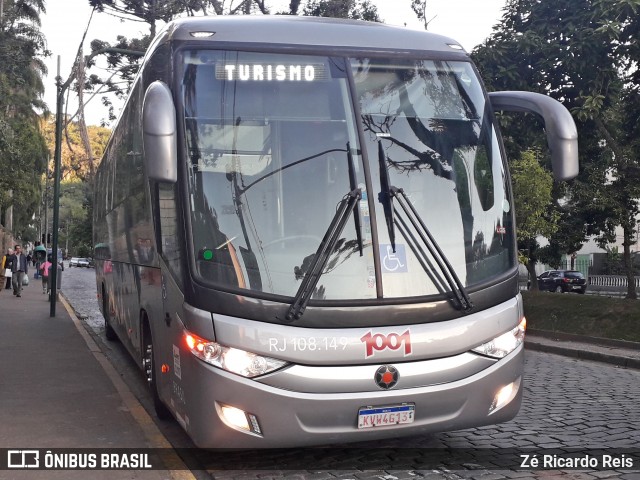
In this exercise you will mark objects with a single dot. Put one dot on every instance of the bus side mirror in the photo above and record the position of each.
(562, 135)
(159, 134)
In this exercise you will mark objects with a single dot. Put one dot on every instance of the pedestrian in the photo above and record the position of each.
(2, 272)
(7, 263)
(20, 268)
(44, 269)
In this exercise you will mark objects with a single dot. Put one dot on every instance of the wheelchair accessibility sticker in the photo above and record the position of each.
(393, 262)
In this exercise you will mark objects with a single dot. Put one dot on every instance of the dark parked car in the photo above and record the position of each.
(562, 281)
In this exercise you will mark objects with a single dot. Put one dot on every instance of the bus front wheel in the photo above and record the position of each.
(149, 365)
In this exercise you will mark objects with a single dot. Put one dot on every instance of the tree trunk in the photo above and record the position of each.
(533, 279)
(628, 264)
(8, 214)
(82, 126)
(294, 5)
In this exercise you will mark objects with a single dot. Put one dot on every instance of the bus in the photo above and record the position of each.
(307, 234)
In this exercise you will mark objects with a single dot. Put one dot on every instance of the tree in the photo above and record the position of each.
(123, 55)
(356, 9)
(420, 9)
(76, 188)
(532, 188)
(583, 53)
(76, 216)
(74, 161)
(22, 148)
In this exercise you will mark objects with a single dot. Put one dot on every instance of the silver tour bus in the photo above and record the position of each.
(307, 232)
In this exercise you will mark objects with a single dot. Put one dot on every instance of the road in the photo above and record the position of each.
(569, 405)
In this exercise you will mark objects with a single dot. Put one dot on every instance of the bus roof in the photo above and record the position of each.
(272, 30)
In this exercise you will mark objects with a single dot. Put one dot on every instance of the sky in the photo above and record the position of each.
(65, 21)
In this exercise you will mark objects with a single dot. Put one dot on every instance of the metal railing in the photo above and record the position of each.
(618, 281)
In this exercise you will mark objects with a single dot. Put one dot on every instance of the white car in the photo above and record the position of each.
(78, 262)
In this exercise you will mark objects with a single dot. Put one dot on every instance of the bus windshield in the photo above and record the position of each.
(273, 148)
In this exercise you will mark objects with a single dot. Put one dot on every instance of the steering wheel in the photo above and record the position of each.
(293, 238)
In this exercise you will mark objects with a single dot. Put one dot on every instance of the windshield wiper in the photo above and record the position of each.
(348, 203)
(449, 273)
(353, 186)
(384, 197)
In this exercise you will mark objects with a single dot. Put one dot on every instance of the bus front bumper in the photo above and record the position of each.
(286, 418)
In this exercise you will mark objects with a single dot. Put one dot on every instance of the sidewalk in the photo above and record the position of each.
(55, 391)
(615, 352)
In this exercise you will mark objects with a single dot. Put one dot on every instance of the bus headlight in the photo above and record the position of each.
(506, 343)
(233, 360)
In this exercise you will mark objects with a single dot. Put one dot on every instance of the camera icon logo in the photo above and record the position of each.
(23, 459)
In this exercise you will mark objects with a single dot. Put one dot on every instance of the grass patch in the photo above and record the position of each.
(604, 317)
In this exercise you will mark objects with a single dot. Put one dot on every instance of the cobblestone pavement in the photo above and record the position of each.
(569, 405)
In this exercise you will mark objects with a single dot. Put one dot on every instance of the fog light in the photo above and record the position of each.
(239, 419)
(504, 396)
(235, 417)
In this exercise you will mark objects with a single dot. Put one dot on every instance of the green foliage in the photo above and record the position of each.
(123, 56)
(76, 188)
(584, 53)
(74, 161)
(535, 216)
(356, 9)
(532, 187)
(76, 216)
(22, 148)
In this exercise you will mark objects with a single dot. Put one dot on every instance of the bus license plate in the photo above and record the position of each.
(380, 416)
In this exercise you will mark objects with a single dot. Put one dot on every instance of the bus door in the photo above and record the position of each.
(169, 332)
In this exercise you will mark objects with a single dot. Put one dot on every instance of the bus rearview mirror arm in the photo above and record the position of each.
(159, 133)
(562, 135)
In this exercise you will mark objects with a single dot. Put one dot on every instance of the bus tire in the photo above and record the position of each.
(109, 332)
(149, 366)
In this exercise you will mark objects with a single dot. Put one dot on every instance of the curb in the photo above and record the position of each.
(618, 360)
(572, 337)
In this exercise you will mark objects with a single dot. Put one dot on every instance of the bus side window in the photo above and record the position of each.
(169, 241)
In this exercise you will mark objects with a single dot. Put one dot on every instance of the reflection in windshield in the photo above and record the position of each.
(270, 161)
(428, 122)
(272, 152)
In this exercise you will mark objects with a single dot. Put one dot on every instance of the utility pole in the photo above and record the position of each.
(61, 87)
(57, 160)
(46, 208)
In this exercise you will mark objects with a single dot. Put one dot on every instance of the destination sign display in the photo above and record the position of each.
(258, 72)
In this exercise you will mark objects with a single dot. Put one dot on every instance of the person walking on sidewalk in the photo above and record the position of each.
(45, 268)
(7, 263)
(3, 271)
(20, 268)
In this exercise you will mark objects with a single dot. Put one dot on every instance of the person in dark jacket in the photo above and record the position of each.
(19, 268)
